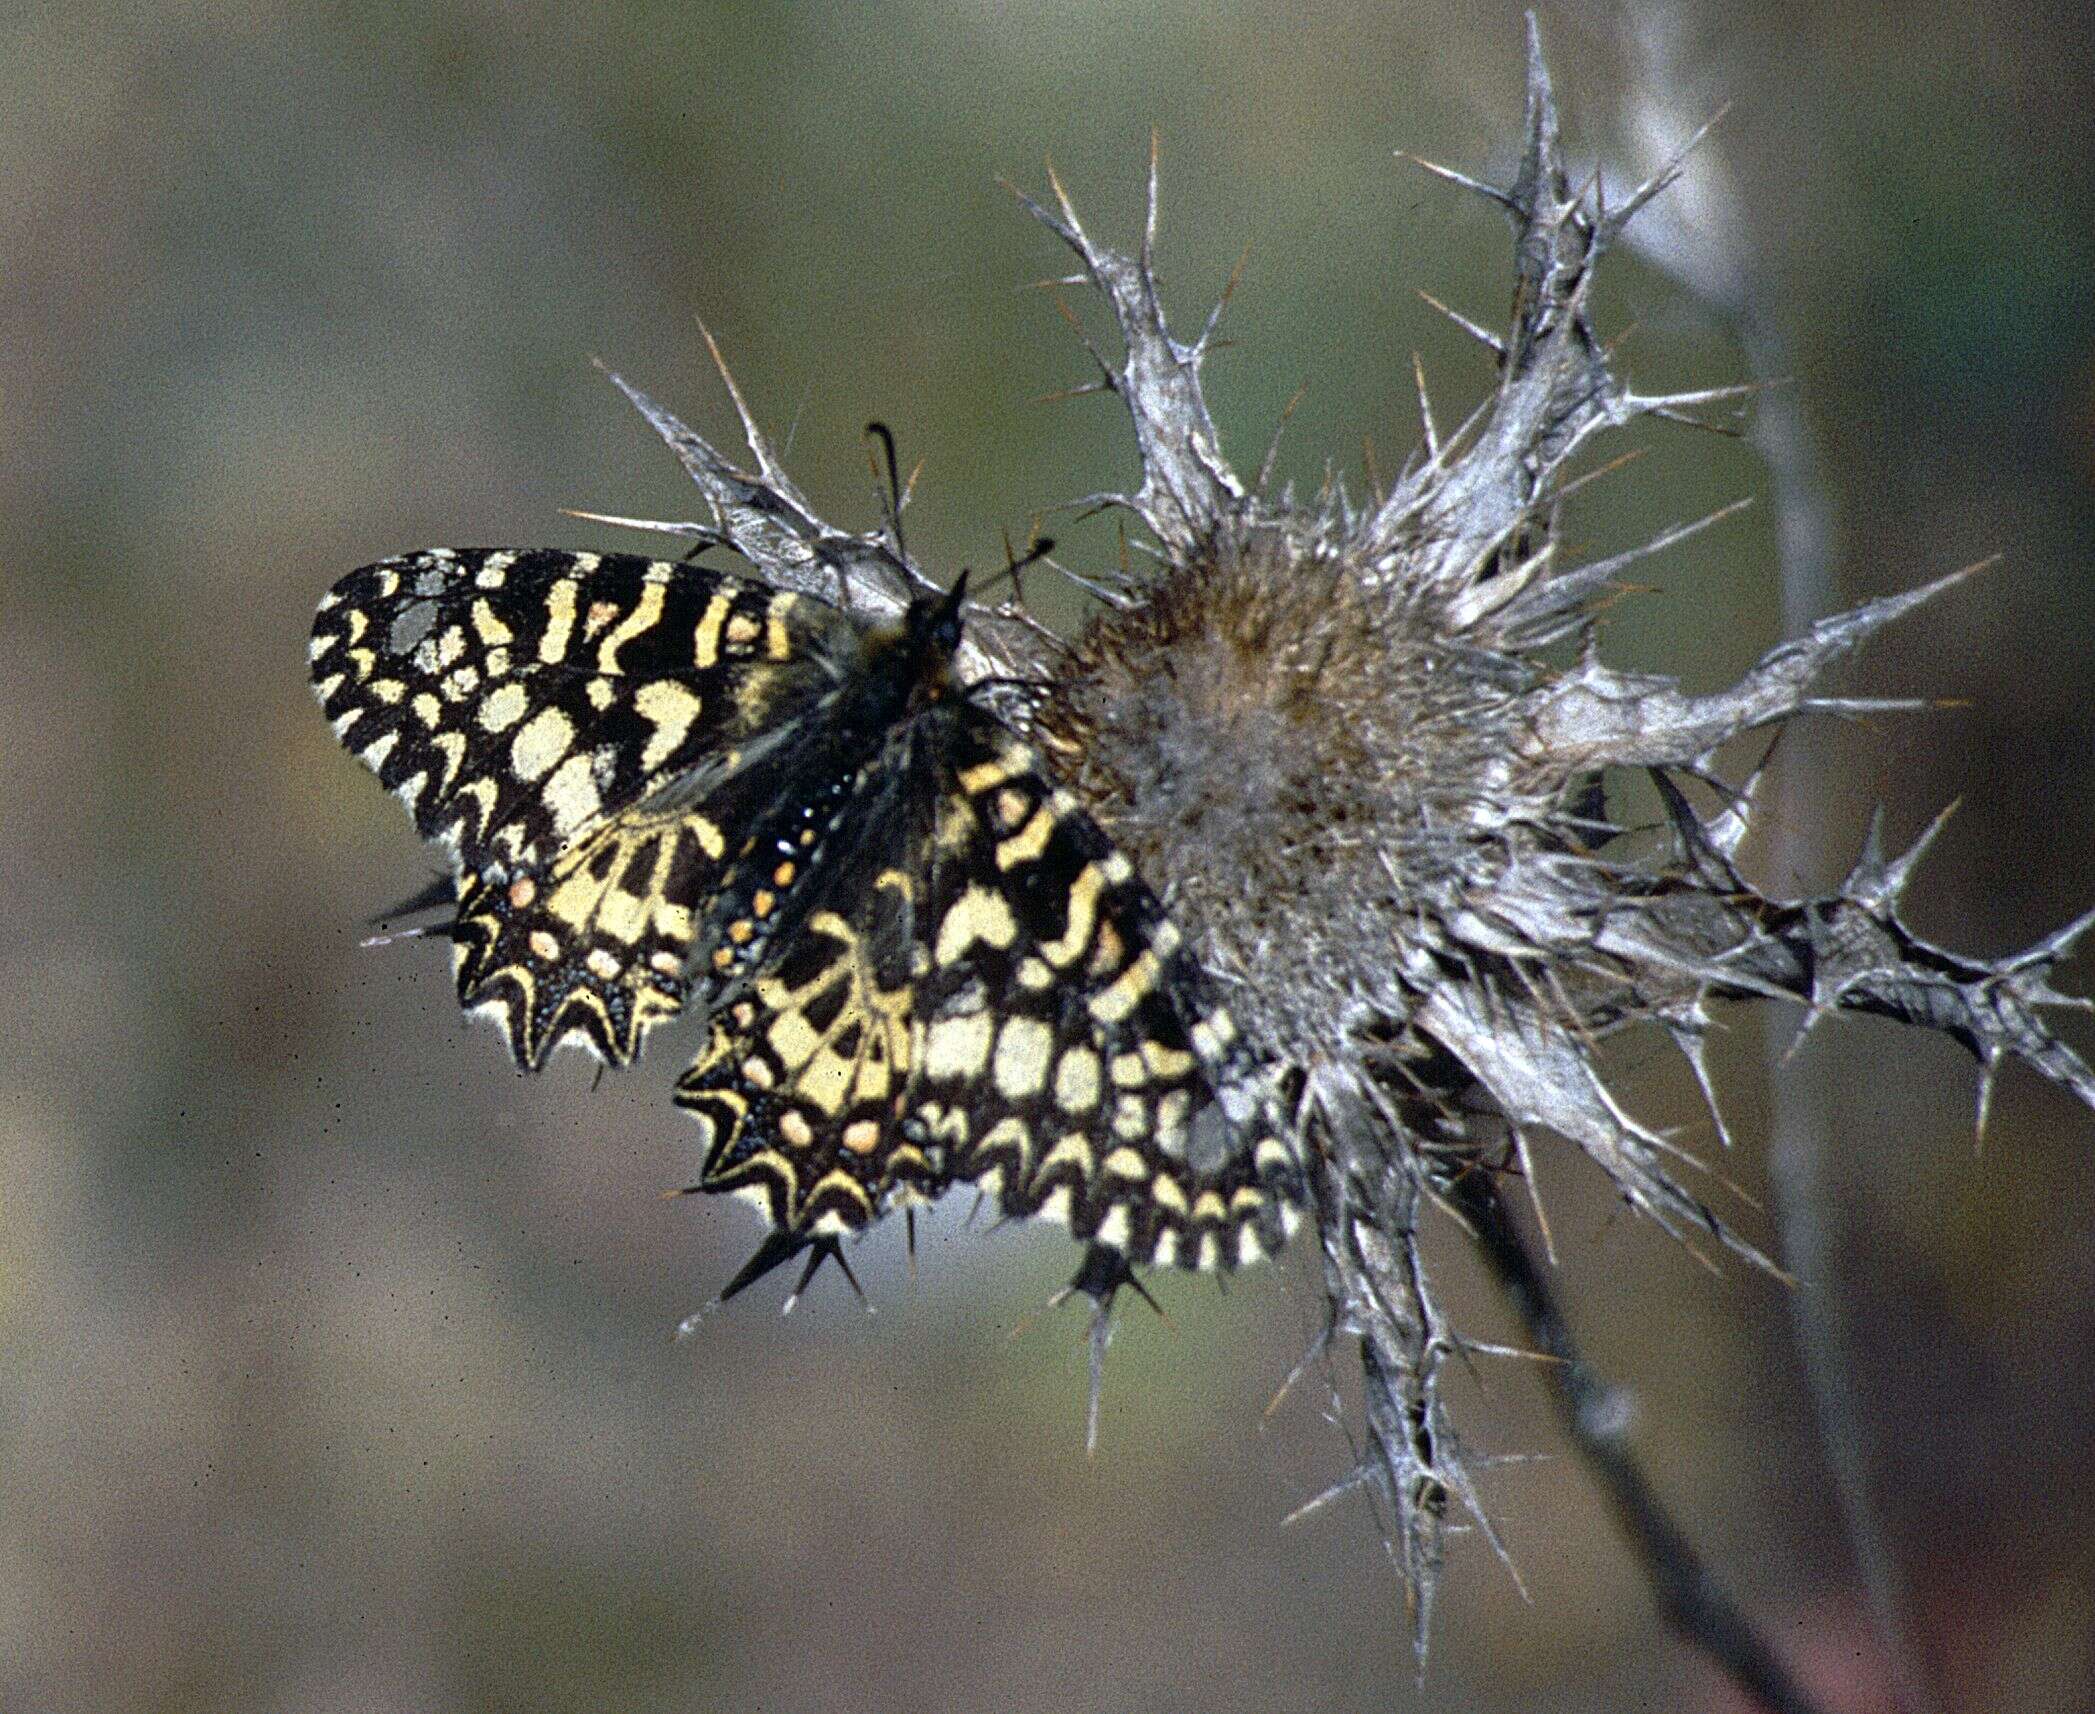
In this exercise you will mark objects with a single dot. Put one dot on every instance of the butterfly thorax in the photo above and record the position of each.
(912, 658)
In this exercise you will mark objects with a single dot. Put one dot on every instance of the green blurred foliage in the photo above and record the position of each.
(337, 1369)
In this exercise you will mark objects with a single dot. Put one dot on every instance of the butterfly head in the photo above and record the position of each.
(933, 621)
(929, 636)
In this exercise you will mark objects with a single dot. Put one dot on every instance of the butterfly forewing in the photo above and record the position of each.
(558, 722)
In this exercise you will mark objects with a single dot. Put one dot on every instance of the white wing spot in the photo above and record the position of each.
(1077, 1085)
(571, 794)
(957, 1048)
(978, 914)
(503, 708)
(541, 743)
(1024, 1049)
(670, 709)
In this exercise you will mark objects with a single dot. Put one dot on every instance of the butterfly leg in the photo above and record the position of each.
(703, 539)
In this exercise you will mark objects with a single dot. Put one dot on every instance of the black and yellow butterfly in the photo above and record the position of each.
(920, 962)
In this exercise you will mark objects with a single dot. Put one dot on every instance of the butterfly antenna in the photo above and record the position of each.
(878, 430)
(1038, 551)
(1014, 681)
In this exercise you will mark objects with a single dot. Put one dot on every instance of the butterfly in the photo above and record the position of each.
(920, 963)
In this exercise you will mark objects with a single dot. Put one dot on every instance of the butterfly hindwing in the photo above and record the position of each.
(979, 990)
(810, 985)
(1076, 1062)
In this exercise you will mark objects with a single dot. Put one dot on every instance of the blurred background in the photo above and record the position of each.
(336, 1359)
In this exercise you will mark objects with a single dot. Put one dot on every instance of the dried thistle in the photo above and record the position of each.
(1327, 733)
